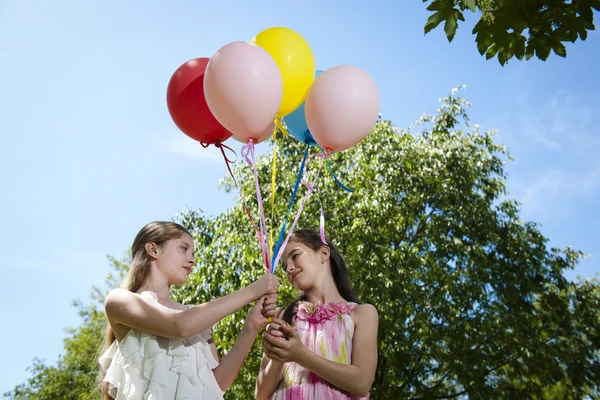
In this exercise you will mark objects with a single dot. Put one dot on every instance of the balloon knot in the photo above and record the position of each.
(216, 143)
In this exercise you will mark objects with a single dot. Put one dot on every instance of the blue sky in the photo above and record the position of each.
(89, 154)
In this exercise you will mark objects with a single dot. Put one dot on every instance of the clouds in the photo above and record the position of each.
(557, 150)
(558, 189)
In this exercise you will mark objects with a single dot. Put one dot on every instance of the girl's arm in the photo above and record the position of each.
(214, 350)
(229, 367)
(355, 378)
(268, 379)
(270, 371)
(129, 309)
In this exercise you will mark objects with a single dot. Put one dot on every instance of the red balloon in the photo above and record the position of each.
(187, 104)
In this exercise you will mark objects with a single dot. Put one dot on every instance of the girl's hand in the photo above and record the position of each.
(273, 329)
(287, 349)
(266, 284)
(270, 306)
(256, 319)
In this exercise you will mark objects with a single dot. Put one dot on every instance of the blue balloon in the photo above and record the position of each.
(296, 123)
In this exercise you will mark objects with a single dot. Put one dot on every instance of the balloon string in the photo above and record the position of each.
(322, 227)
(281, 127)
(273, 176)
(248, 150)
(290, 205)
(322, 217)
(221, 147)
(340, 184)
(311, 189)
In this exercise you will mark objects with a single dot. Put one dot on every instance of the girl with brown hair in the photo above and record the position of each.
(157, 348)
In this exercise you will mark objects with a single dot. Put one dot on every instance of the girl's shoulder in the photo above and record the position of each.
(117, 296)
(364, 313)
(365, 308)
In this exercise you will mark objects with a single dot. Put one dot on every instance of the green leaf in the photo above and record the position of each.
(439, 5)
(560, 49)
(481, 45)
(433, 21)
(504, 55)
(518, 45)
(530, 50)
(480, 27)
(452, 23)
(470, 4)
(502, 38)
(558, 20)
(491, 52)
(517, 23)
(542, 48)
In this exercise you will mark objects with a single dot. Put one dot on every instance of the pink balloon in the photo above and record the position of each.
(342, 107)
(243, 89)
(266, 134)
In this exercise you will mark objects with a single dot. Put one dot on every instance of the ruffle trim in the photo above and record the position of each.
(318, 312)
(137, 367)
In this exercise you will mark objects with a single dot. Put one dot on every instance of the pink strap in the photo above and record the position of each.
(228, 161)
(248, 150)
(322, 227)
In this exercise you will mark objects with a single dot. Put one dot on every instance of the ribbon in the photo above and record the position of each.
(281, 127)
(221, 147)
(322, 227)
(311, 189)
(273, 175)
(340, 184)
(248, 150)
(290, 205)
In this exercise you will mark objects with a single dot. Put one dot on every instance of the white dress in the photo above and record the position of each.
(147, 367)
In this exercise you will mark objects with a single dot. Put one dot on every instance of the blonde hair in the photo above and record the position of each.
(158, 232)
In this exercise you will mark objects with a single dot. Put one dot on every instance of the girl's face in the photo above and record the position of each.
(304, 267)
(176, 259)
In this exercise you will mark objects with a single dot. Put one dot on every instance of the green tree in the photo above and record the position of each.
(518, 28)
(472, 301)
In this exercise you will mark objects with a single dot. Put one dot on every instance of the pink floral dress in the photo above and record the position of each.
(327, 330)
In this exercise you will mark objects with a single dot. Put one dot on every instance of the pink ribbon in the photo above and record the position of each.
(248, 150)
(322, 227)
(228, 161)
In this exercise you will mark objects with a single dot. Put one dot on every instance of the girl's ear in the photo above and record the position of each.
(152, 250)
(324, 252)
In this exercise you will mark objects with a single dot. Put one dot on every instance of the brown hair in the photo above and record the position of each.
(339, 269)
(158, 232)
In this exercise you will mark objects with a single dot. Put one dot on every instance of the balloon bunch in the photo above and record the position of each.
(249, 89)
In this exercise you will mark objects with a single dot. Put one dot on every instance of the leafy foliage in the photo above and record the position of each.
(518, 28)
(472, 301)
(469, 295)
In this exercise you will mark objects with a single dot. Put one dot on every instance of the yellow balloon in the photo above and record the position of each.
(296, 63)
